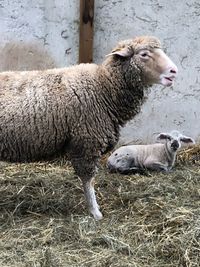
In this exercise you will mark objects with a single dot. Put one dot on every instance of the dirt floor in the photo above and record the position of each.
(149, 220)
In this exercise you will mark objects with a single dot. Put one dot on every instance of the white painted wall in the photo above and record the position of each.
(177, 24)
(40, 34)
(44, 26)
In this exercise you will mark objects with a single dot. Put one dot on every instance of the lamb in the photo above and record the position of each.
(78, 110)
(157, 157)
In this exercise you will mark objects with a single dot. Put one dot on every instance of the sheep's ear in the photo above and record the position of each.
(122, 52)
(163, 136)
(187, 139)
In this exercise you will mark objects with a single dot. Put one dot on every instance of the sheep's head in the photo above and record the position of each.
(145, 54)
(174, 139)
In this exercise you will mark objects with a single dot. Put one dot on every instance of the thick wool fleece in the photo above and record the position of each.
(75, 110)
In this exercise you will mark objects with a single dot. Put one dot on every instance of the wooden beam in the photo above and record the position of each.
(86, 31)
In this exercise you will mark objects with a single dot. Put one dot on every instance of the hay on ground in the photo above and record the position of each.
(150, 220)
(189, 155)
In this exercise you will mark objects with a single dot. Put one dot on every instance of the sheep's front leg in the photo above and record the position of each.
(85, 160)
(88, 185)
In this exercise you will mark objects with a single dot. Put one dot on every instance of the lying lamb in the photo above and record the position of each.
(79, 110)
(157, 157)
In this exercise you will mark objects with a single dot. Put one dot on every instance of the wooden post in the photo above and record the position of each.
(86, 31)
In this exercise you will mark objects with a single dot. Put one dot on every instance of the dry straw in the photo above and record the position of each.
(149, 220)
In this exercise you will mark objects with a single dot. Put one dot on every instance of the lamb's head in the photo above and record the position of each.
(145, 55)
(174, 139)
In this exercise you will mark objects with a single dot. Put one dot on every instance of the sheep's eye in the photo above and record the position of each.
(144, 54)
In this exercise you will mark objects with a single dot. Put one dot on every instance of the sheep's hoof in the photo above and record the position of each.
(97, 215)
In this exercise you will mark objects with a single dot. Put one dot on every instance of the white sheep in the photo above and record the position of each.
(79, 110)
(157, 157)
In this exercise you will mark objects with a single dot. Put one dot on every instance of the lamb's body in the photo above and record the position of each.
(157, 157)
(79, 109)
(140, 157)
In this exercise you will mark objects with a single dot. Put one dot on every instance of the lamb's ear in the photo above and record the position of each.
(187, 139)
(163, 136)
(122, 52)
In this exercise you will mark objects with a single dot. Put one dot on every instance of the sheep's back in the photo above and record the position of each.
(40, 111)
(32, 115)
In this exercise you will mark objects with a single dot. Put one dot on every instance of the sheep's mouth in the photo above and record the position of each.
(174, 146)
(168, 81)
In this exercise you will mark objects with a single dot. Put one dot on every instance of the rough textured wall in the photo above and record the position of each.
(177, 24)
(38, 34)
(41, 34)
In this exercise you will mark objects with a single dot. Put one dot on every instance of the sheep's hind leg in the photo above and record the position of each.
(129, 170)
(157, 166)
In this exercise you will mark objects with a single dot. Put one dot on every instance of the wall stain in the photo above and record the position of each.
(24, 56)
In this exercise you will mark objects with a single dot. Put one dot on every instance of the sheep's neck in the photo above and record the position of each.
(127, 94)
(171, 155)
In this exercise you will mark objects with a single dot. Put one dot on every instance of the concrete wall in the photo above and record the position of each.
(38, 34)
(41, 34)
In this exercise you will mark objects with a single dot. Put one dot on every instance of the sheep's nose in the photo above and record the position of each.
(174, 70)
(175, 145)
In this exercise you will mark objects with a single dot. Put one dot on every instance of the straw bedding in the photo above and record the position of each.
(149, 220)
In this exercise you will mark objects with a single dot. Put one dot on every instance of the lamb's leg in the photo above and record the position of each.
(157, 166)
(129, 170)
(122, 164)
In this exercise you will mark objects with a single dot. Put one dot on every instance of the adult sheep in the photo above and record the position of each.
(78, 110)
